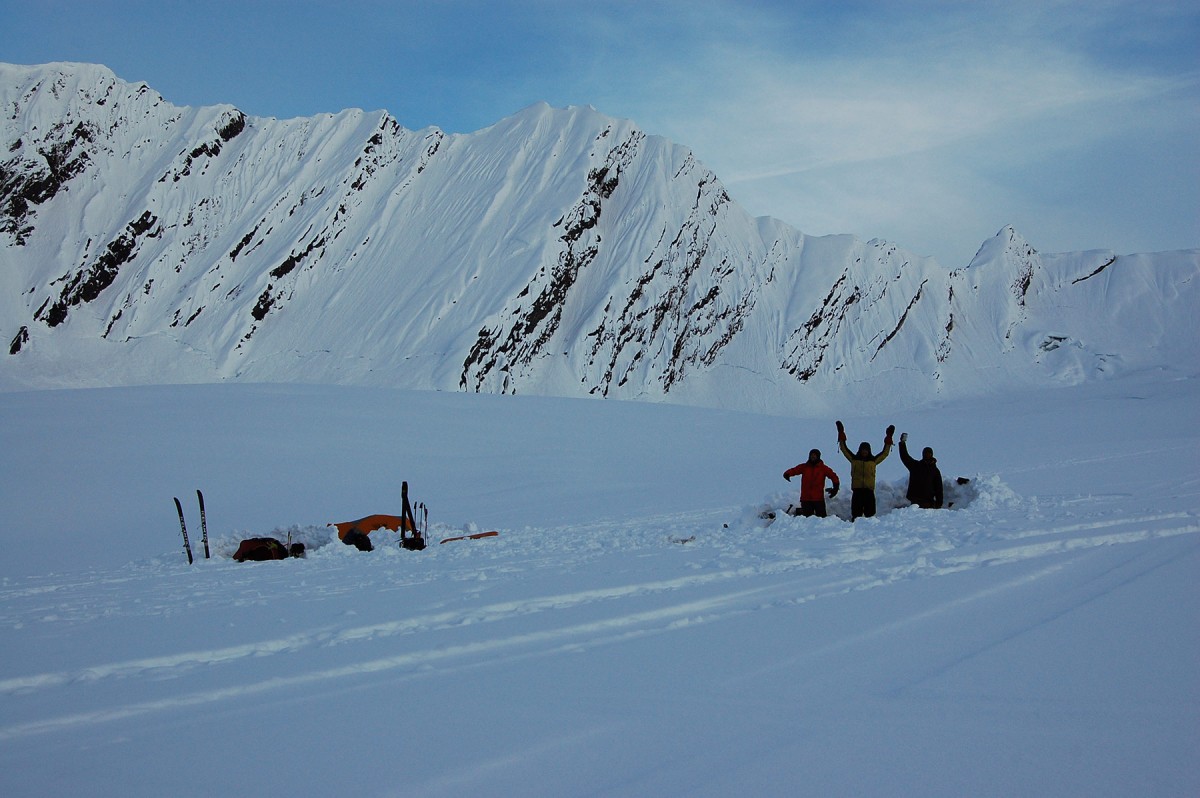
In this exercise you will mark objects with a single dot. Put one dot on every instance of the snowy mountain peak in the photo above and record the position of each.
(558, 251)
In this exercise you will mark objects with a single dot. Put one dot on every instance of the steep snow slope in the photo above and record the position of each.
(559, 252)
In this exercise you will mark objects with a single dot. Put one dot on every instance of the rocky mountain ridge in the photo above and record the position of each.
(559, 251)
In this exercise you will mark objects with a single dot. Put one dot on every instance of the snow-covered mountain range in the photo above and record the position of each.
(559, 251)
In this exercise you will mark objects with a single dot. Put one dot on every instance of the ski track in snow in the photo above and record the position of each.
(1124, 573)
(669, 573)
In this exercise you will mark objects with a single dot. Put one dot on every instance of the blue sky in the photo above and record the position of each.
(930, 124)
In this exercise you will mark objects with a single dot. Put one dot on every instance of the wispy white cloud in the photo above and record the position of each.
(917, 91)
(928, 122)
(879, 120)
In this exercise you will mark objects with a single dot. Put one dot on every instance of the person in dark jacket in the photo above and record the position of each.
(813, 474)
(862, 472)
(924, 478)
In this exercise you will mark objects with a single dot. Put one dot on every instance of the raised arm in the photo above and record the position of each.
(887, 444)
(904, 455)
(842, 442)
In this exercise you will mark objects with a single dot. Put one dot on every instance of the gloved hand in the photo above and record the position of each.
(890, 430)
(785, 476)
(832, 491)
(841, 432)
(903, 437)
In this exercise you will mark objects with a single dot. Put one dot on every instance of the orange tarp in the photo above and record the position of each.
(372, 522)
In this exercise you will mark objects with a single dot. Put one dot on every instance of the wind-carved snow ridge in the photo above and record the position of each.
(533, 317)
(681, 310)
(557, 252)
(807, 345)
(666, 315)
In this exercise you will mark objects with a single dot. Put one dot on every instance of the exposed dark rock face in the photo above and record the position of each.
(30, 179)
(19, 340)
(1099, 269)
(900, 323)
(232, 127)
(87, 284)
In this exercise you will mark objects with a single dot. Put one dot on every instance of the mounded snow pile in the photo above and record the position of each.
(958, 494)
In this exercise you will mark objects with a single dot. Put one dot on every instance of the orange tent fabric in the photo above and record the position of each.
(372, 522)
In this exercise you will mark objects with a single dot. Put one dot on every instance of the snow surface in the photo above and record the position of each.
(635, 630)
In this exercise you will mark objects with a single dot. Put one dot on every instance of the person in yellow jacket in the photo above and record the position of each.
(862, 472)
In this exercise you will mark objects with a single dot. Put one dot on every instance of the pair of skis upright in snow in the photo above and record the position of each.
(187, 546)
(421, 531)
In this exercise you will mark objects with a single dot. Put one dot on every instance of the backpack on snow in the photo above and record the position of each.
(259, 549)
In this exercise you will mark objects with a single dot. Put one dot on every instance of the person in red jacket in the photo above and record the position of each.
(813, 474)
